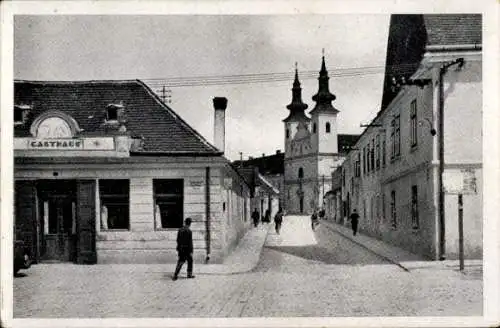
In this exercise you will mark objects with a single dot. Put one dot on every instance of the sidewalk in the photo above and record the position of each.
(404, 259)
(243, 258)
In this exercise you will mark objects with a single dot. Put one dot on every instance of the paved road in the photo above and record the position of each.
(300, 273)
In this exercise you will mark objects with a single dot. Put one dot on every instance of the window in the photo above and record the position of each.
(112, 113)
(383, 151)
(364, 160)
(287, 133)
(18, 115)
(314, 127)
(393, 210)
(397, 137)
(327, 127)
(114, 195)
(301, 173)
(393, 143)
(377, 152)
(414, 208)
(357, 165)
(413, 123)
(372, 154)
(169, 203)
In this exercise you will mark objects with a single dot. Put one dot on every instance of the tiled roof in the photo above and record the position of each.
(162, 129)
(273, 164)
(346, 142)
(453, 29)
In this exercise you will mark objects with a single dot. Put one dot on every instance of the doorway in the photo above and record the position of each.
(57, 201)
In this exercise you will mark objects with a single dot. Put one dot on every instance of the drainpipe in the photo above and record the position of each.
(441, 200)
(207, 212)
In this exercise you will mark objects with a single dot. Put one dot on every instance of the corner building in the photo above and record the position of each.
(105, 172)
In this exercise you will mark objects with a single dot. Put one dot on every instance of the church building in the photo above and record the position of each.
(313, 148)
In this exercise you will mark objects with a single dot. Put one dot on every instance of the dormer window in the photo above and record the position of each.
(112, 113)
(20, 113)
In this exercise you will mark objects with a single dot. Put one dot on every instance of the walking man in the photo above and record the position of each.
(278, 219)
(255, 217)
(314, 219)
(354, 221)
(184, 249)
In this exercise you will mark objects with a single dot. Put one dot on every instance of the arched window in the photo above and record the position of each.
(301, 173)
(327, 127)
(314, 127)
(287, 133)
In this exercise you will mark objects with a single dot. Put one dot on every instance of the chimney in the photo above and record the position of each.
(220, 104)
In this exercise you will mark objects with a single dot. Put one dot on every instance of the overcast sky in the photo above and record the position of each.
(83, 47)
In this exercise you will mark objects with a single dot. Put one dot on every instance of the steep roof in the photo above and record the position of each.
(163, 131)
(411, 35)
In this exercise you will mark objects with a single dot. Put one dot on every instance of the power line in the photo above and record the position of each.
(271, 77)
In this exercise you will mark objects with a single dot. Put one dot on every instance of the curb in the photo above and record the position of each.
(225, 270)
(330, 226)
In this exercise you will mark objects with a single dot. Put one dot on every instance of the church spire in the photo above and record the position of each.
(323, 98)
(296, 107)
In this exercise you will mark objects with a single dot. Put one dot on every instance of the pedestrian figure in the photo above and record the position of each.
(267, 216)
(184, 249)
(314, 219)
(321, 213)
(255, 217)
(354, 221)
(278, 219)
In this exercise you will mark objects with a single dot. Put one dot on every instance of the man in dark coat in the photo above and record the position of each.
(354, 221)
(255, 217)
(278, 219)
(185, 249)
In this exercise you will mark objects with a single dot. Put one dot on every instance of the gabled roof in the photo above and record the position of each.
(273, 164)
(346, 142)
(163, 131)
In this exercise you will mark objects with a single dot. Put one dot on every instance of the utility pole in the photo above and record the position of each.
(166, 95)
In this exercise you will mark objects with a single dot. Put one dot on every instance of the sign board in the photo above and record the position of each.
(459, 181)
(59, 144)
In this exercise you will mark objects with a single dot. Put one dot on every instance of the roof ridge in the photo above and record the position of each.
(68, 82)
(177, 117)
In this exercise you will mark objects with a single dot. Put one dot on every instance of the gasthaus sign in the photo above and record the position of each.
(62, 144)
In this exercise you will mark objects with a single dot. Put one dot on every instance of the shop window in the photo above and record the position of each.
(414, 208)
(169, 203)
(114, 196)
(327, 127)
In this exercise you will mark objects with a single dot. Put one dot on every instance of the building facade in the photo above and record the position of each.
(425, 145)
(105, 172)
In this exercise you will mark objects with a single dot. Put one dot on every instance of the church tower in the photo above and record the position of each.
(296, 116)
(324, 116)
(324, 137)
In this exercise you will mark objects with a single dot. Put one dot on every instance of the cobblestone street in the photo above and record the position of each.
(300, 273)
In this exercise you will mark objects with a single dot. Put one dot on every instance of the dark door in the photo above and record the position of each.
(59, 232)
(85, 214)
(25, 215)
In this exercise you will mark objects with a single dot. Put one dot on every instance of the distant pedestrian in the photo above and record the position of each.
(184, 249)
(354, 222)
(314, 219)
(255, 217)
(321, 214)
(267, 216)
(278, 219)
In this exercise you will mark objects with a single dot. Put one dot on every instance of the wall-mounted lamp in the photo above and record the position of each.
(398, 83)
(432, 130)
